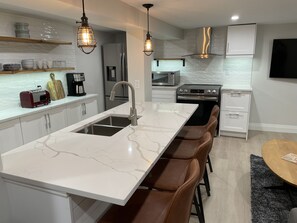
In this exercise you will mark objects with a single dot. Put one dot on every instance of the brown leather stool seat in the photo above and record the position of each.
(188, 149)
(195, 132)
(147, 206)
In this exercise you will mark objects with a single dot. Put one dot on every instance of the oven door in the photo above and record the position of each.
(202, 113)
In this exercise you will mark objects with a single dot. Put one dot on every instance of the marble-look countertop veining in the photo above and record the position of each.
(12, 113)
(99, 167)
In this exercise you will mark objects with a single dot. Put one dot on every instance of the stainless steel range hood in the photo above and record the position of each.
(203, 44)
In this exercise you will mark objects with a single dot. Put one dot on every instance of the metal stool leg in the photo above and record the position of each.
(209, 163)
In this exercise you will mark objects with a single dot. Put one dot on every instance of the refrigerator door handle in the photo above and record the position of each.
(124, 67)
(122, 70)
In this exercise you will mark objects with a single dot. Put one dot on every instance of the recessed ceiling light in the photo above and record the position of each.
(235, 17)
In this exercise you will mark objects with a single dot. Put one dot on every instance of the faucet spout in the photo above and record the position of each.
(133, 111)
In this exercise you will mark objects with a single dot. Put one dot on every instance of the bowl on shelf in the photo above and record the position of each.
(27, 64)
(22, 34)
(11, 67)
(21, 26)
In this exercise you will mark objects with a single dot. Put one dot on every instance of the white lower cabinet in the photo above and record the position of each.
(164, 95)
(43, 123)
(49, 206)
(235, 112)
(10, 135)
(81, 110)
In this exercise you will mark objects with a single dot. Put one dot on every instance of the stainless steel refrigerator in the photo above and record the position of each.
(115, 70)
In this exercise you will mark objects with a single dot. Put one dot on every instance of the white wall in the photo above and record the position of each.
(139, 65)
(274, 106)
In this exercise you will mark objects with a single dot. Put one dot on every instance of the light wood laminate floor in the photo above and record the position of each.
(230, 181)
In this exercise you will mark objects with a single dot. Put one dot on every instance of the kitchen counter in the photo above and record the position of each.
(237, 87)
(167, 87)
(98, 167)
(12, 113)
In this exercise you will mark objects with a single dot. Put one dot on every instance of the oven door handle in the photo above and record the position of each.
(197, 98)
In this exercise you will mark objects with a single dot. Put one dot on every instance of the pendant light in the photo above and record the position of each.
(148, 46)
(85, 35)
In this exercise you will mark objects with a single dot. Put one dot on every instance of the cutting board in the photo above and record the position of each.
(55, 88)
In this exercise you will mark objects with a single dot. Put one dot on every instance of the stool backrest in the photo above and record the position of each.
(215, 111)
(203, 150)
(212, 125)
(180, 209)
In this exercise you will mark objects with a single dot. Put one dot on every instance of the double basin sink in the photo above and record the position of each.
(107, 126)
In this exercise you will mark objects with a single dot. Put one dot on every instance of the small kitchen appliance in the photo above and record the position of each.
(34, 98)
(165, 78)
(75, 84)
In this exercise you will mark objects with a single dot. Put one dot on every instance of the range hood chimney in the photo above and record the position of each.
(203, 44)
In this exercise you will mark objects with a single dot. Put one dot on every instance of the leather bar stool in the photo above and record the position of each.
(186, 149)
(164, 175)
(195, 132)
(147, 206)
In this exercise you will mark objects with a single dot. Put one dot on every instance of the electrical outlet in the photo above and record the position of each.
(137, 83)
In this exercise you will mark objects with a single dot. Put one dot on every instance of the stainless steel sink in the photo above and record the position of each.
(100, 130)
(107, 126)
(113, 120)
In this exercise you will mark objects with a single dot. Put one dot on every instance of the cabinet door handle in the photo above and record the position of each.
(227, 47)
(49, 121)
(46, 122)
(85, 108)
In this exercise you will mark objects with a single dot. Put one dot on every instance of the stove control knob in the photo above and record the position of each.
(208, 91)
(186, 90)
(181, 90)
(214, 91)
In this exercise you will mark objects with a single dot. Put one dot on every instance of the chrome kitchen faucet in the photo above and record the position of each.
(133, 111)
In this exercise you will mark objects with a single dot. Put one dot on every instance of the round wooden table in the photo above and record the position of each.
(272, 153)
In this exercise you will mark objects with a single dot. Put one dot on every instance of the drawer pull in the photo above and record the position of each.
(235, 94)
(233, 115)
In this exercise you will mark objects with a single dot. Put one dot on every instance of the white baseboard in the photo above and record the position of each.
(273, 127)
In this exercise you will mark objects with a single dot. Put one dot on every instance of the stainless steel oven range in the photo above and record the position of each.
(206, 95)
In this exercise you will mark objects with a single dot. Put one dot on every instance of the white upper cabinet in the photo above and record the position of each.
(241, 40)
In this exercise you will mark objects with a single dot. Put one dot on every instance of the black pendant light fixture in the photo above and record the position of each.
(148, 46)
(85, 34)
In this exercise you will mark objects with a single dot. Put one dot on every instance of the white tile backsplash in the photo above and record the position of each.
(11, 85)
(214, 70)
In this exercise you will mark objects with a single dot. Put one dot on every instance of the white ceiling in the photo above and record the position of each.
(197, 13)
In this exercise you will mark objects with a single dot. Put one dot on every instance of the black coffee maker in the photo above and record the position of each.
(75, 84)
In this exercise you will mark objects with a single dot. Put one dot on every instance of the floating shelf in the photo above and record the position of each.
(36, 70)
(28, 40)
(158, 59)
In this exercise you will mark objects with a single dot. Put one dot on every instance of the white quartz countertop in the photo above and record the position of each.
(12, 113)
(166, 87)
(236, 87)
(99, 167)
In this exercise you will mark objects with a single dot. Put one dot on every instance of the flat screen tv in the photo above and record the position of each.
(284, 59)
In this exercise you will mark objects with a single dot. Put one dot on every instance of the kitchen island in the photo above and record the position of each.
(48, 171)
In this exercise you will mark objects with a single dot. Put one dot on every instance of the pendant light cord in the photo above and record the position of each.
(148, 20)
(83, 5)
